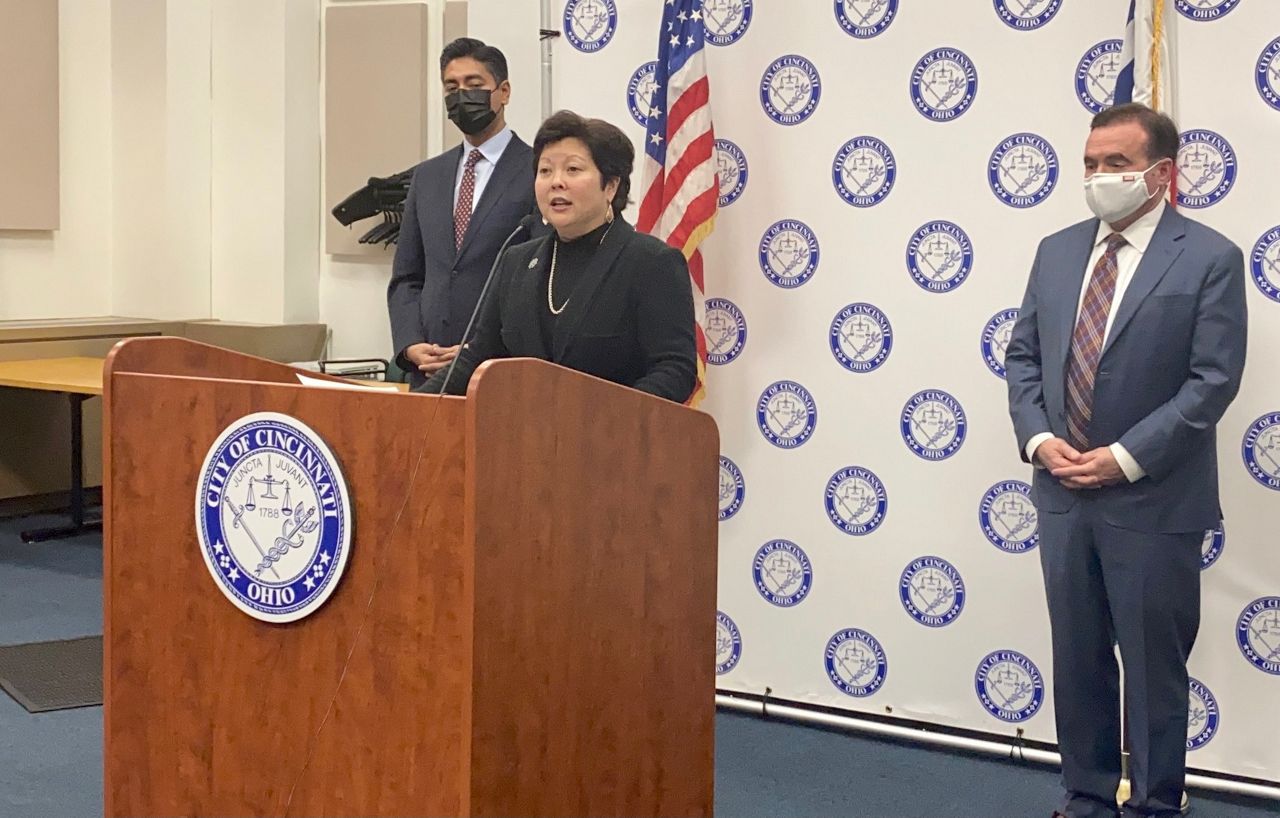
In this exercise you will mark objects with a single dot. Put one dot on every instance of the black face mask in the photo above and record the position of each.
(470, 109)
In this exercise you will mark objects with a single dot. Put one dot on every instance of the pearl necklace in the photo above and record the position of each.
(551, 277)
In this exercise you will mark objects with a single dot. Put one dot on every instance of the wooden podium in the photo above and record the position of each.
(525, 626)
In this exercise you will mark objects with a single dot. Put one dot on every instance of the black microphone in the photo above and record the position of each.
(526, 226)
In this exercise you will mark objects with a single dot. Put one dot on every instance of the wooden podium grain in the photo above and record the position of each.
(525, 626)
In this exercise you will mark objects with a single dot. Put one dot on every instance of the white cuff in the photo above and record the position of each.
(1128, 465)
(1033, 444)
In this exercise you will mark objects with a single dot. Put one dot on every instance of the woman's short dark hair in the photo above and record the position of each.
(1162, 133)
(610, 149)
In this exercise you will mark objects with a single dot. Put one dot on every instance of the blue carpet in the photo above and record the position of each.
(51, 763)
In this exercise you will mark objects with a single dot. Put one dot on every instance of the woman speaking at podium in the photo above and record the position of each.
(592, 295)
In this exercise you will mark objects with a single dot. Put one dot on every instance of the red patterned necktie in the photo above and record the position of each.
(1087, 340)
(467, 192)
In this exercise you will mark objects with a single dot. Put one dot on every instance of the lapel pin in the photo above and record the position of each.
(533, 263)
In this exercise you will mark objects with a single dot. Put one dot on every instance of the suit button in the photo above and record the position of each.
(453, 273)
(444, 321)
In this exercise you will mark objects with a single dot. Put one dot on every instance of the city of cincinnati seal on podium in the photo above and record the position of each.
(273, 517)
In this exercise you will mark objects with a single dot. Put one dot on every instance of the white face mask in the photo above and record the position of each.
(1114, 196)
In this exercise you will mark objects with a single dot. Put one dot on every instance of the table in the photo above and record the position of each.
(79, 379)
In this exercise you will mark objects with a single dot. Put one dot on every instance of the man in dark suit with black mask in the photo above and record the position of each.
(460, 207)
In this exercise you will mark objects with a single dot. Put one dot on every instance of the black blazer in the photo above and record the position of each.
(434, 286)
(629, 320)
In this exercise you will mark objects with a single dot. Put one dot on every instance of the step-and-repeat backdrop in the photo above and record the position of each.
(887, 168)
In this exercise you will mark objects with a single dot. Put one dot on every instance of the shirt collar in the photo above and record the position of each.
(1138, 234)
(493, 147)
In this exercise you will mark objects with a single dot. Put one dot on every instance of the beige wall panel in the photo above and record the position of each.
(29, 146)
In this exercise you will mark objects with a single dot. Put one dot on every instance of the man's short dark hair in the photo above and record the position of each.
(610, 149)
(1162, 133)
(488, 56)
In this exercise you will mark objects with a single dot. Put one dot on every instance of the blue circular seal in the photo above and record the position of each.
(933, 425)
(1202, 716)
(789, 253)
(1204, 10)
(865, 19)
(855, 662)
(931, 591)
(1023, 170)
(726, 20)
(790, 90)
(725, 330)
(786, 414)
(1096, 75)
(728, 644)
(640, 90)
(861, 337)
(273, 517)
(1261, 450)
(1009, 685)
(939, 256)
(589, 25)
(1026, 15)
(733, 489)
(1268, 74)
(1258, 633)
(995, 340)
(856, 501)
(1008, 519)
(944, 83)
(864, 171)
(782, 573)
(1264, 263)
(1206, 168)
(1215, 539)
(731, 171)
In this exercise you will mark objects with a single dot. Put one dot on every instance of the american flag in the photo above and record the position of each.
(679, 192)
(1147, 73)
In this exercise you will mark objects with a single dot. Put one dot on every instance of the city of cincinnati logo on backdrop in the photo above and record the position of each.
(731, 171)
(864, 171)
(782, 573)
(1258, 633)
(790, 90)
(273, 517)
(1268, 74)
(786, 414)
(1023, 170)
(860, 337)
(1264, 263)
(865, 19)
(931, 591)
(1215, 539)
(640, 90)
(789, 253)
(1008, 518)
(1009, 685)
(1204, 10)
(733, 489)
(728, 644)
(939, 256)
(995, 340)
(1026, 15)
(944, 83)
(1096, 75)
(856, 500)
(726, 20)
(1202, 716)
(725, 329)
(1261, 450)
(1206, 168)
(589, 25)
(933, 425)
(855, 662)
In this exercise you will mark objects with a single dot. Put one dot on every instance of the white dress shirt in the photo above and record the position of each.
(1137, 237)
(491, 152)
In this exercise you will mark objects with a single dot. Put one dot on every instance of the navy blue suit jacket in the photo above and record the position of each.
(1169, 368)
(435, 286)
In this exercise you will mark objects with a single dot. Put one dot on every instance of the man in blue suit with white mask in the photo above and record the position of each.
(1128, 349)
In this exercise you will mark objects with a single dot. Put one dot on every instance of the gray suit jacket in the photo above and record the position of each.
(435, 286)
(1170, 366)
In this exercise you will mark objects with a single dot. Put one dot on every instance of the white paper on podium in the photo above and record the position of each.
(377, 386)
